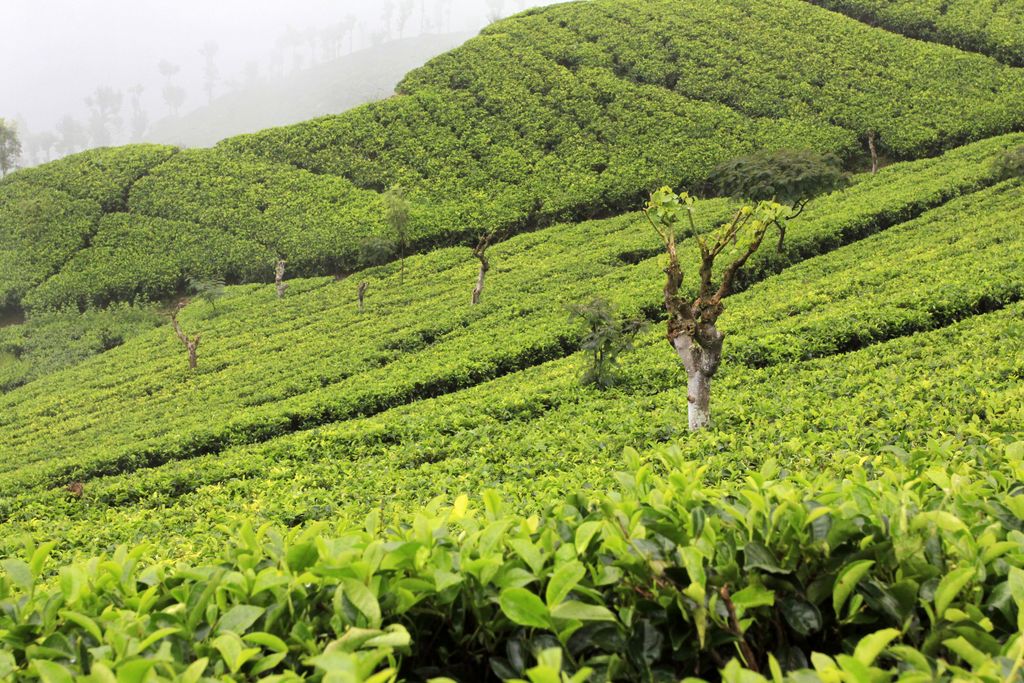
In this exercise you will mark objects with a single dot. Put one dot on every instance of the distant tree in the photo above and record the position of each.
(105, 115)
(388, 15)
(45, 142)
(174, 95)
(405, 10)
(140, 120)
(791, 177)
(71, 136)
(496, 9)
(251, 73)
(279, 284)
(606, 337)
(361, 292)
(873, 150)
(191, 344)
(10, 146)
(480, 253)
(1010, 164)
(209, 290)
(444, 15)
(397, 208)
(167, 69)
(211, 73)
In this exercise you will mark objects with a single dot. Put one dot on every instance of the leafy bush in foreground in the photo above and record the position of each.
(913, 561)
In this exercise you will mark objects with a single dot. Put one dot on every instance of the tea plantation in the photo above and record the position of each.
(414, 488)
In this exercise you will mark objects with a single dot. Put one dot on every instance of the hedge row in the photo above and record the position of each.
(405, 349)
(992, 28)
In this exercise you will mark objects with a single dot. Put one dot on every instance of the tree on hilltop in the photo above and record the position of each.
(10, 146)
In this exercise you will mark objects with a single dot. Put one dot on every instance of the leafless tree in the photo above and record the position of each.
(191, 344)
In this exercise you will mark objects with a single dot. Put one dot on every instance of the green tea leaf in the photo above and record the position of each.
(239, 618)
(847, 580)
(524, 608)
(563, 581)
(950, 586)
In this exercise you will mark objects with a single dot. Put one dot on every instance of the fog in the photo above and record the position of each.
(117, 68)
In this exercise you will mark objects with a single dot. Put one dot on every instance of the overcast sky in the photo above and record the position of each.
(54, 53)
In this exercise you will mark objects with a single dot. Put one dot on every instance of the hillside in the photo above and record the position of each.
(329, 88)
(557, 114)
(414, 398)
(421, 489)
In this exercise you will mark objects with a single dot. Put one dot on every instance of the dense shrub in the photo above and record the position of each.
(992, 28)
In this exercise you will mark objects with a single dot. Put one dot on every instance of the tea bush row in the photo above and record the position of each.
(994, 29)
(910, 563)
(415, 355)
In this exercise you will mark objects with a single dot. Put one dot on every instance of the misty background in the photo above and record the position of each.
(91, 73)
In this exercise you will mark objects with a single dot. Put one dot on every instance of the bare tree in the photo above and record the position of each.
(211, 73)
(191, 343)
(480, 253)
(874, 152)
(361, 292)
(692, 329)
(279, 282)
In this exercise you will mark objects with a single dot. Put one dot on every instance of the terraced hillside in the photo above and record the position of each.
(865, 338)
(558, 114)
(422, 489)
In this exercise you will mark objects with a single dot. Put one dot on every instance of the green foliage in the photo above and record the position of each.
(547, 117)
(662, 574)
(605, 337)
(995, 29)
(790, 176)
(1010, 164)
(54, 340)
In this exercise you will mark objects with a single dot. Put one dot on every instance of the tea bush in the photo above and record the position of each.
(994, 29)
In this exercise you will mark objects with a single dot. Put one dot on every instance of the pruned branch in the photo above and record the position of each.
(737, 631)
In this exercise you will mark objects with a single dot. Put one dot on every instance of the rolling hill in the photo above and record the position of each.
(422, 489)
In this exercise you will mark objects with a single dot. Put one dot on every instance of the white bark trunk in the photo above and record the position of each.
(479, 289)
(701, 363)
(699, 399)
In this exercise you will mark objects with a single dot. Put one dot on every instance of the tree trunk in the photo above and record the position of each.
(279, 282)
(479, 289)
(192, 360)
(874, 152)
(699, 399)
(361, 292)
(701, 354)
